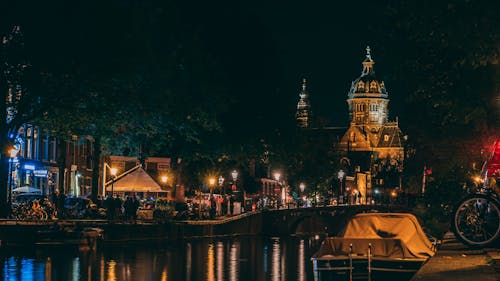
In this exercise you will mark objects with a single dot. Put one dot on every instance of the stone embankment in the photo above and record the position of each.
(456, 262)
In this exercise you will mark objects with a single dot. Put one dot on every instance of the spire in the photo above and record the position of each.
(303, 94)
(368, 62)
(302, 115)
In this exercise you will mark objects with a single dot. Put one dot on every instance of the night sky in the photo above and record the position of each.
(264, 48)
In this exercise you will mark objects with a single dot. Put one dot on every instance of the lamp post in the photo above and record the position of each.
(164, 181)
(234, 175)
(113, 174)
(277, 176)
(302, 187)
(211, 183)
(340, 176)
(221, 184)
(12, 153)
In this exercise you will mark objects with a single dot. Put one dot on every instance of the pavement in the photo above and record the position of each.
(455, 261)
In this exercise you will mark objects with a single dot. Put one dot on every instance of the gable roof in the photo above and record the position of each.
(137, 181)
(395, 137)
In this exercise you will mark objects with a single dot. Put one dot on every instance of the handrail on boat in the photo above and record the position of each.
(350, 262)
(369, 261)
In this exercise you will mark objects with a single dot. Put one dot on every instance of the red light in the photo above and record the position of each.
(494, 163)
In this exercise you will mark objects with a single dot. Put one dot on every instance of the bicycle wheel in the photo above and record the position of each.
(476, 220)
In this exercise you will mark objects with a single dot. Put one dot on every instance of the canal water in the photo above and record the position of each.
(238, 258)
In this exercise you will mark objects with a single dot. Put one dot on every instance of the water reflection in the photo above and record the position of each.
(301, 269)
(276, 261)
(220, 261)
(243, 258)
(234, 261)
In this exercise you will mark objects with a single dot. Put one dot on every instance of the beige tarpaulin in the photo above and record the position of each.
(137, 181)
(392, 235)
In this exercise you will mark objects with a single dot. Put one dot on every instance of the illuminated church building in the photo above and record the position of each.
(372, 147)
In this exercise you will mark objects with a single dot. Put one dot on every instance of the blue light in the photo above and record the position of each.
(29, 167)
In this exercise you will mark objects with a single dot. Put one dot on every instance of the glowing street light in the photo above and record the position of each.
(340, 176)
(302, 187)
(277, 176)
(113, 171)
(234, 175)
(164, 179)
(211, 183)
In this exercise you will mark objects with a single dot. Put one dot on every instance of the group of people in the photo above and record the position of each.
(116, 207)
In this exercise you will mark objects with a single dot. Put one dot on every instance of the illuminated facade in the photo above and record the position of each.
(303, 114)
(373, 146)
(34, 160)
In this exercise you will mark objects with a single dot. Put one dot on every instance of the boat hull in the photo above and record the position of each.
(362, 269)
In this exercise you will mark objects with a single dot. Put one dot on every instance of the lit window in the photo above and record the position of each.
(386, 137)
(361, 86)
(162, 166)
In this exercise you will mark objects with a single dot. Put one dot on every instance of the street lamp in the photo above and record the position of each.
(340, 176)
(164, 179)
(113, 171)
(13, 153)
(234, 175)
(302, 187)
(211, 183)
(277, 176)
(221, 184)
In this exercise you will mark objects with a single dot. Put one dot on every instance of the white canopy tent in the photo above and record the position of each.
(27, 189)
(138, 181)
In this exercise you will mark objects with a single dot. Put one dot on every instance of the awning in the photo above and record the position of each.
(137, 181)
(27, 189)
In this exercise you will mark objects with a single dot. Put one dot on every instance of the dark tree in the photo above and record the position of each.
(21, 104)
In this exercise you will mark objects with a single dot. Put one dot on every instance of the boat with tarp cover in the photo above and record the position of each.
(374, 246)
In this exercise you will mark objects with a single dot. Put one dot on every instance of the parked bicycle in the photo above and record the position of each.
(34, 211)
(476, 218)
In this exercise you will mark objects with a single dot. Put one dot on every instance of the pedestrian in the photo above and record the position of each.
(109, 204)
(127, 207)
(213, 205)
(60, 204)
(117, 206)
(134, 208)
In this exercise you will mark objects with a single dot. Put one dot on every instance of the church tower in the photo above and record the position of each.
(370, 129)
(372, 146)
(367, 98)
(303, 114)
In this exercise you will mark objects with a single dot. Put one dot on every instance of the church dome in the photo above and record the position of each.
(367, 85)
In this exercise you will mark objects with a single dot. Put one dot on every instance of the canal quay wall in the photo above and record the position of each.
(303, 221)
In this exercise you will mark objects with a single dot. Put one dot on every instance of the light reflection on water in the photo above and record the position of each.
(241, 258)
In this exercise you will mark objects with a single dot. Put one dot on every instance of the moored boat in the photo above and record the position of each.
(374, 246)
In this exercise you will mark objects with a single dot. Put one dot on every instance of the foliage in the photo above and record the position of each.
(447, 75)
(441, 196)
(18, 86)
